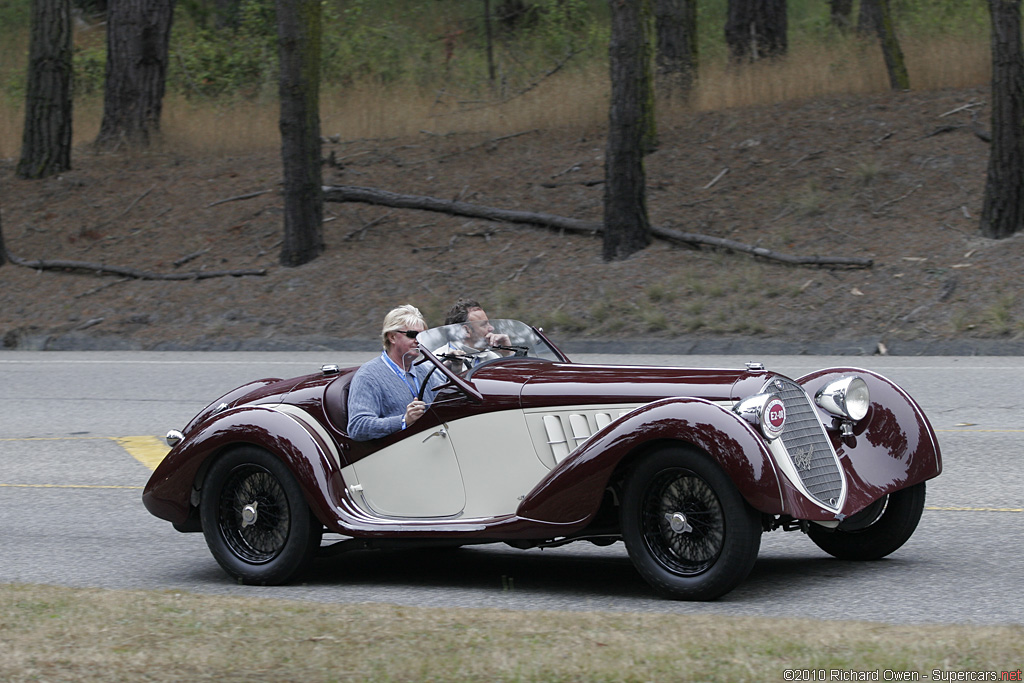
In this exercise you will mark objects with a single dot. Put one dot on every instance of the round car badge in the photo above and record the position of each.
(775, 416)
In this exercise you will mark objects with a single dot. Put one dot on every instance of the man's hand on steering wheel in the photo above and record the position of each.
(499, 341)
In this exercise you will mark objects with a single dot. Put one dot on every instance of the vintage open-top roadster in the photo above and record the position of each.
(687, 466)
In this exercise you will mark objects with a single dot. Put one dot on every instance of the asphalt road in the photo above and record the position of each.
(71, 514)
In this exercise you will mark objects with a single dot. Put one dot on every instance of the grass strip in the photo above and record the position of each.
(63, 634)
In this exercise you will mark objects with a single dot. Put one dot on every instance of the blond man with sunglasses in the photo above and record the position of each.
(383, 397)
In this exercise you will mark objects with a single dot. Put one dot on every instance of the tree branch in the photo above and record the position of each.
(238, 198)
(102, 269)
(369, 195)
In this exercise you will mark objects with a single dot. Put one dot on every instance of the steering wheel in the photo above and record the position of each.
(462, 385)
(426, 381)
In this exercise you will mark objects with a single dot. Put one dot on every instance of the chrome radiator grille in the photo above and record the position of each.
(807, 445)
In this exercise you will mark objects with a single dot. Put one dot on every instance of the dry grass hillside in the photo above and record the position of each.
(898, 178)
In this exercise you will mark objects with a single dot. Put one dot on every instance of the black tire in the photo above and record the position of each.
(255, 518)
(876, 531)
(689, 532)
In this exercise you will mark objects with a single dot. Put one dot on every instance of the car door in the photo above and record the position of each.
(416, 477)
(498, 461)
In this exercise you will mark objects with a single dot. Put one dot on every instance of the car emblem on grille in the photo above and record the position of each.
(775, 417)
(802, 457)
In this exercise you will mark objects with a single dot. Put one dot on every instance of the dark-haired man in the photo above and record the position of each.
(476, 346)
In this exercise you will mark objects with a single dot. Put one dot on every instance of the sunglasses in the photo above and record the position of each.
(411, 334)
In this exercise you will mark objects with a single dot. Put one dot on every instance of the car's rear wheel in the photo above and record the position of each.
(689, 532)
(878, 530)
(255, 519)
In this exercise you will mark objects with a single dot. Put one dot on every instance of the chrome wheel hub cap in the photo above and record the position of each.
(249, 515)
(677, 520)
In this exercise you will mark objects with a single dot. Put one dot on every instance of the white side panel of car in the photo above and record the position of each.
(556, 434)
(498, 462)
(416, 477)
(476, 467)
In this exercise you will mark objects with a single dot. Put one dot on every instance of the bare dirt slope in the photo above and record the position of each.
(887, 177)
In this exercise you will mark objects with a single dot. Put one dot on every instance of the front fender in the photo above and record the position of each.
(892, 448)
(228, 399)
(572, 492)
(283, 430)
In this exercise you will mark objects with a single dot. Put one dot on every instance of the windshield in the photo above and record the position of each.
(470, 343)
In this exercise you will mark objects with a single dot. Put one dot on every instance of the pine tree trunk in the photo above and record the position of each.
(3, 249)
(649, 141)
(299, 44)
(891, 51)
(489, 36)
(841, 13)
(627, 229)
(227, 13)
(1003, 210)
(675, 23)
(876, 19)
(46, 137)
(756, 29)
(869, 20)
(138, 35)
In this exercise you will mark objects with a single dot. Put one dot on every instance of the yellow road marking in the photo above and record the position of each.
(149, 450)
(973, 509)
(102, 486)
(66, 486)
(960, 431)
(55, 438)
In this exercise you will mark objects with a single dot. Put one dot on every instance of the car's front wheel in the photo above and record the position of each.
(255, 519)
(687, 529)
(875, 531)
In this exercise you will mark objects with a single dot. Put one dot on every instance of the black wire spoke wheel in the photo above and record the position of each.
(876, 531)
(688, 531)
(683, 522)
(254, 518)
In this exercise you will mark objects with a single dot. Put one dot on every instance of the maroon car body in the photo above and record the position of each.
(673, 461)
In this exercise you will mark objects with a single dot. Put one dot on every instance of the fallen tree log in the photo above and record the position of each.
(103, 269)
(369, 195)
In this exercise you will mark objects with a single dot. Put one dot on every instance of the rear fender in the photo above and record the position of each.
(572, 492)
(284, 430)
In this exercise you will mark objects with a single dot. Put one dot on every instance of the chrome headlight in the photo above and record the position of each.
(846, 397)
(765, 411)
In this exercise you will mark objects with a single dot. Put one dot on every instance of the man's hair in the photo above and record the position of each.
(459, 313)
(400, 318)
